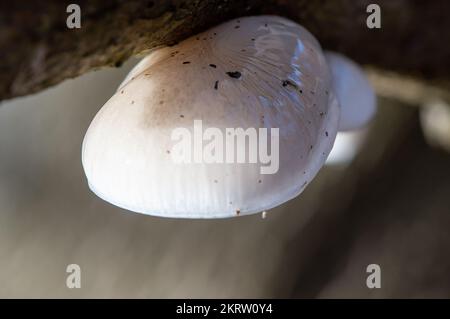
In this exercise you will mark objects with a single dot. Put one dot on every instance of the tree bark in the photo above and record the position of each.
(38, 50)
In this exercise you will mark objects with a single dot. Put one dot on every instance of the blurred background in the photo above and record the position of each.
(382, 198)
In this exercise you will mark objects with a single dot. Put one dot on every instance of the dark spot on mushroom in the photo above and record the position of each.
(216, 85)
(234, 74)
(310, 147)
(321, 113)
(215, 33)
(181, 115)
(326, 92)
(290, 83)
(213, 65)
(147, 74)
(238, 212)
(161, 102)
(197, 38)
(168, 152)
(259, 181)
(237, 27)
(231, 203)
(265, 24)
(215, 181)
(301, 91)
(121, 92)
(326, 133)
(253, 39)
(132, 102)
(243, 50)
(312, 92)
(186, 62)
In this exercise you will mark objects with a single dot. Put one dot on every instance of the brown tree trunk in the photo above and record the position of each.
(38, 50)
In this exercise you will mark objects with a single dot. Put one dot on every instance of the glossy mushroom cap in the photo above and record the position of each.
(354, 92)
(253, 72)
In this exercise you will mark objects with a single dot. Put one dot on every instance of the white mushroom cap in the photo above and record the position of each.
(354, 92)
(283, 82)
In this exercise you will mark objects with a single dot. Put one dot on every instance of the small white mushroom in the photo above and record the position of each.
(254, 72)
(354, 93)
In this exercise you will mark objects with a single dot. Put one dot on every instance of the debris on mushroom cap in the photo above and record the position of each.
(234, 74)
(281, 81)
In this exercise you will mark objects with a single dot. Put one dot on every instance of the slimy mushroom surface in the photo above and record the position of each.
(255, 72)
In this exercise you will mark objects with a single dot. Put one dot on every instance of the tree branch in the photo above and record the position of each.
(39, 51)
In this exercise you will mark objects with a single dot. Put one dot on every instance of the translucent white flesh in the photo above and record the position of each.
(353, 91)
(125, 150)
